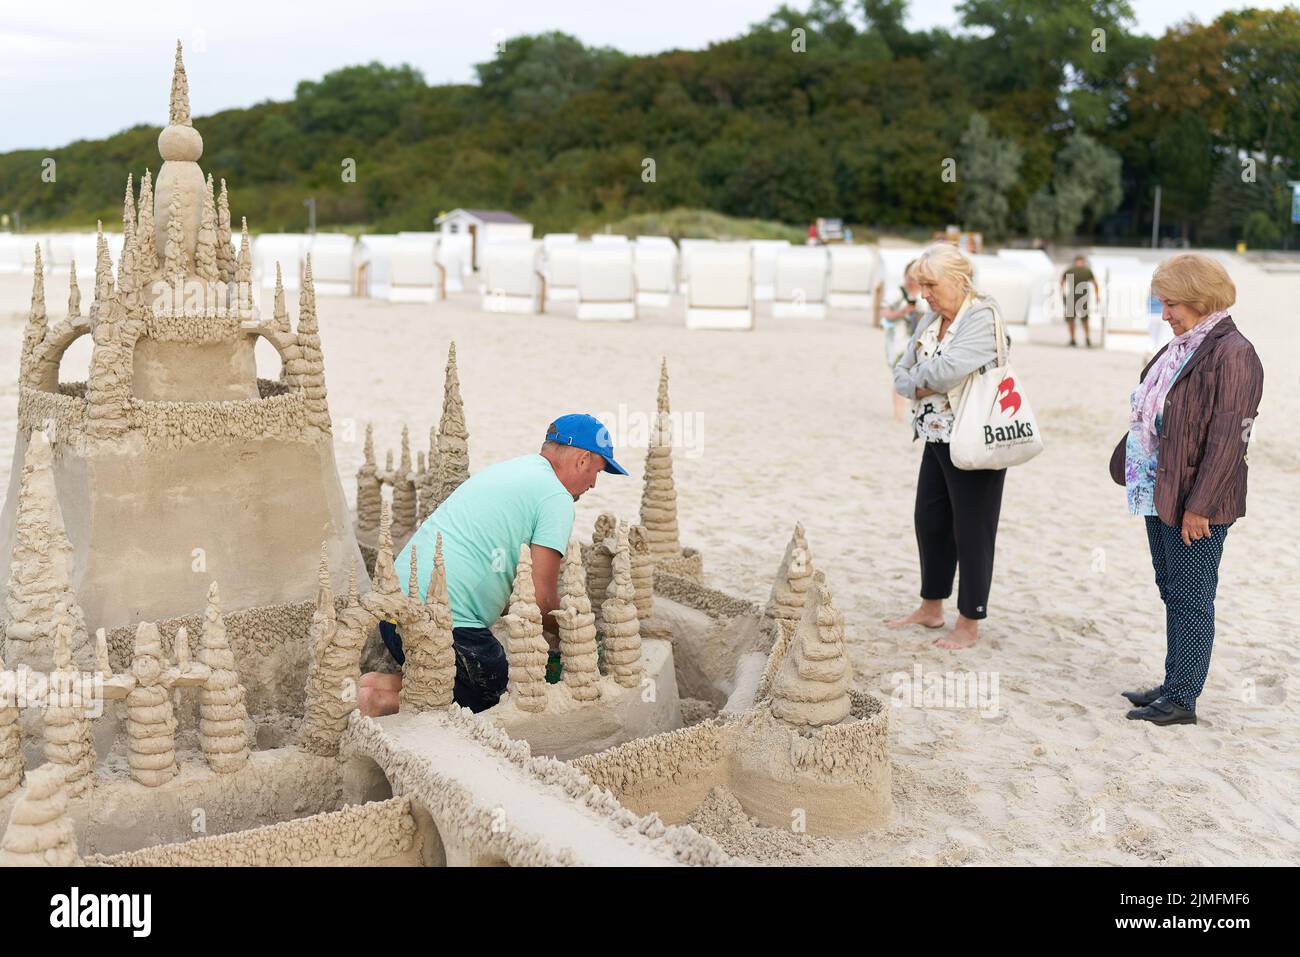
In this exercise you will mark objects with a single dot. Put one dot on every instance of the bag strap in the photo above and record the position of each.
(999, 333)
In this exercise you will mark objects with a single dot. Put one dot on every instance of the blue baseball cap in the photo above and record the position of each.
(586, 432)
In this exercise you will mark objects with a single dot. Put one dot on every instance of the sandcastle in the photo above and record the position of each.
(416, 492)
(109, 744)
(171, 401)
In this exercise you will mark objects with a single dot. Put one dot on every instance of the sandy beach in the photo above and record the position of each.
(794, 422)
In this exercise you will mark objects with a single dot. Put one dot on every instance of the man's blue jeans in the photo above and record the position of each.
(481, 668)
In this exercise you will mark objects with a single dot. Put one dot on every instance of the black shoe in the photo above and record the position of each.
(1141, 699)
(1073, 344)
(1163, 711)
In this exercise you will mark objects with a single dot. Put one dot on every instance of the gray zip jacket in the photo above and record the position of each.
(971, 347)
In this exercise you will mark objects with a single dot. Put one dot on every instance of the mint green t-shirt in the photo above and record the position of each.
(483, 523)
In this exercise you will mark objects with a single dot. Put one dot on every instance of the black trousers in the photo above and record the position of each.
(956, 527)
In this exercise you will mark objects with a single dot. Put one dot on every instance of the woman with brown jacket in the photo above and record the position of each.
(1183, 464)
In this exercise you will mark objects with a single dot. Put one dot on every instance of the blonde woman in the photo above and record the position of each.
(956, 511)
(1183, 465)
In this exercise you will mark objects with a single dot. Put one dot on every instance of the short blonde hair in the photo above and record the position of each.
(1194, 280)
(945, 261)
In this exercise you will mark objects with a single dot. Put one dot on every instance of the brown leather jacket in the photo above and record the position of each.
(1204, 430)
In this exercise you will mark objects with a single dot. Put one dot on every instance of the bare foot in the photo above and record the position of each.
(930, 614)
(964, 634)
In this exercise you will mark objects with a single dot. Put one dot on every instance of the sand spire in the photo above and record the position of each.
(811, 688)
(244, 273)
(790, 588)
(427, 488)
(659, 495)
(178, 112)
(386, 582)
(225, 248)
(69, 740)
(600, 560)
(40, 833)
(223, 716)
(307, 371)
(205, 250)
(126, 268)
(146, 253)
(526, 649)
(404, 503)
(40, 579)
(577, 626)
(370, 497)
(279, 315)
(334, 674)
(37, 323)
(74, 293)
(99, 306)
(151, 723)
(429, 672)
(453, 436)
(618, 615)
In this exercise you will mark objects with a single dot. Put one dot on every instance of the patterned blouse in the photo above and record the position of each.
(1140, 462)
(932, 416)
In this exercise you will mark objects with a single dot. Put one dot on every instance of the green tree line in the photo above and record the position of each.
(1034, 118)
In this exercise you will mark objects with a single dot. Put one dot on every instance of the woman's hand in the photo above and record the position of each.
(1195, 527)
(922, 392)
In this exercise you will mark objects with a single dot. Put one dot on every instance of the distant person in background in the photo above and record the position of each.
(957, 510)
(899, 320)
(848, 234)
(1074, 286)
(812, 234)
(1183, 465)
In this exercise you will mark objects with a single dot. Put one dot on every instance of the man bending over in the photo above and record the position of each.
(528, 500)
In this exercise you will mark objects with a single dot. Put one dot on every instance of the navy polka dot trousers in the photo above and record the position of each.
(1188, 577)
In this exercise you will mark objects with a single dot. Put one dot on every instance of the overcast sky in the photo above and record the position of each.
(80, 69)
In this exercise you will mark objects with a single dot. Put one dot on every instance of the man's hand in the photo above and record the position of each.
(1195, 527)
(921, 392)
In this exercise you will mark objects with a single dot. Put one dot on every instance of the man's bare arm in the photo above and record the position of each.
(546, 582)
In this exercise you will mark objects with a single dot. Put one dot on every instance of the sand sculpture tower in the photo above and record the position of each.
(404, 505)
(790, 589)
(142, 452)
(811, 688)
(42, 567)
(429, 674)
(40, 834)
(659, 496)
(526, 649)
(223, 717)
(618, 613)
(370, 495)
(151, 722)
(577, 625)
(334, 673)
(453, 436)
(69, 740)
(600, 560)
(430, 479)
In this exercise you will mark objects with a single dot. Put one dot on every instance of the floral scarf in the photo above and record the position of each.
(1149, 398)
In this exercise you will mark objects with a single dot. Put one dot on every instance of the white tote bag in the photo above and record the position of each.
(994, 426)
